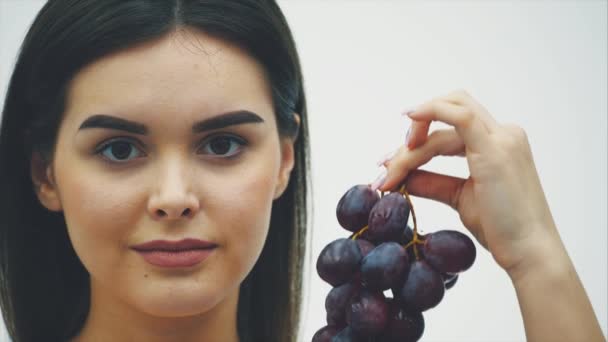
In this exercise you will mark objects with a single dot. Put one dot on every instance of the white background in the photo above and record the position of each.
(539, 64)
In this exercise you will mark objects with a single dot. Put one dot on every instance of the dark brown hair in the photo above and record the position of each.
(44, 288)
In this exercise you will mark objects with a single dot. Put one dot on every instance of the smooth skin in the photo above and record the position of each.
(503, 205)
(174, 184)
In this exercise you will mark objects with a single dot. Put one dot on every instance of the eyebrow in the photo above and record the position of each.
(217, 122)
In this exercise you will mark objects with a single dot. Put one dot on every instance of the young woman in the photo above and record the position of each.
(153, 160)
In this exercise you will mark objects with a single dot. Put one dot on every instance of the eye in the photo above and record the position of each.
(119, 150)
(224, 146)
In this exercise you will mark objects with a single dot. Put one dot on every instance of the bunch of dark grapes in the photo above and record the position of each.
(385, 253)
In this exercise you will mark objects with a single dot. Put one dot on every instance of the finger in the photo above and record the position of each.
(417, 134)
(444, 142)
(387, 157)
(434, 186)
(463, 98)
(419, 129)
(468, 124)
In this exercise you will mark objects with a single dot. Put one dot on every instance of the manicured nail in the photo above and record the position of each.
(414, 114)
(407, 136)
(379, 180)
(387, 157)
(408, 111)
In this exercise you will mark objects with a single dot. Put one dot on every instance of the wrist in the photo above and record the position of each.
(544, 257)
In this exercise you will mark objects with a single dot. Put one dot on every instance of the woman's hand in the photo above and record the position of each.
(502, 202)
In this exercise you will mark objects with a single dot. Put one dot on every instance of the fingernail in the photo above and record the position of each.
(415, 115)
(387, 157)
(379, 180)
(407, 136)
(408, 111)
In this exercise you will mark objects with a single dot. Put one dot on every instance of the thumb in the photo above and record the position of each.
(434, 186)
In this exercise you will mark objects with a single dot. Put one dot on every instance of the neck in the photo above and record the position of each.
(111, 319)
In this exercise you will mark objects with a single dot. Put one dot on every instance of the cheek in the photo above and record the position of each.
(242, 212)
(99, 214)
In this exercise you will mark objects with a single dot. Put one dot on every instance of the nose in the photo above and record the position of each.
(173, 198)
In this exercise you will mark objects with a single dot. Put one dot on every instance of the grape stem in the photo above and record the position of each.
(361, 231)
(416, 240)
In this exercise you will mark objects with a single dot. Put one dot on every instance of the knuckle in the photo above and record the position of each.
(462, 93)
(505, 141)
(516, 132)
(521, 134)
(434, 105)
(399, 160)
(465, 117)
(513, 137)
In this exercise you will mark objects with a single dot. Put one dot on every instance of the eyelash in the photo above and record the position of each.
(134, 143)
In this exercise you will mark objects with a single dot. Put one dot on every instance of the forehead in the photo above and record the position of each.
(183, 73)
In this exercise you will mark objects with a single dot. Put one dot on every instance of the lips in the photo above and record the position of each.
(172, 254)
(173, 246)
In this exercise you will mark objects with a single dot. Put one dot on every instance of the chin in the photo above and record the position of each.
(175, 306)
(176, 302)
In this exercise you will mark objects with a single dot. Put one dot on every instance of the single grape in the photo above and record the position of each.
(338, 301)
(365, 246)
(423, 288)
(407, 234)
(449, 251)
(384, 267)
(451, 281)
(339, 261)
(325, 334)
(368, 314)
(348, 335)
(388, 216)
(354, 207)
(403, 325)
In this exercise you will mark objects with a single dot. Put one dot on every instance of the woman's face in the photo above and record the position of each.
(169, 164)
